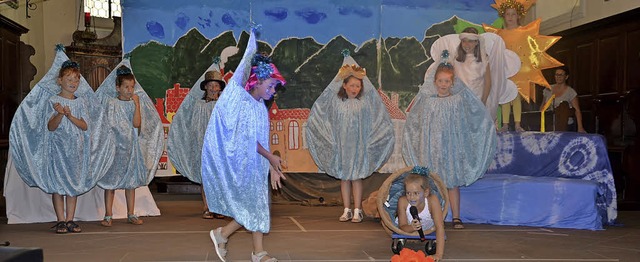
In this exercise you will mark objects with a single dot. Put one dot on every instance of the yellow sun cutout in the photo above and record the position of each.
(531, 47)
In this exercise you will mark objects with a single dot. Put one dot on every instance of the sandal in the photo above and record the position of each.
(519, 129)
(219, 216)
(217, 238)
(457, 223)
(208, 215)
(133, 219)
(260, 255)
(106, 221)
(73, 227)
(61, 227)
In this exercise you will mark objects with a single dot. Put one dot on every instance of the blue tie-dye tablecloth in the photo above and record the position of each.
(562, 155)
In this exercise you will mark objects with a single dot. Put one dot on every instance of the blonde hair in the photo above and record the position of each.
(417, 179)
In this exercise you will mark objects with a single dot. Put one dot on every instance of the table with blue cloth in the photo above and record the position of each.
(554, 179)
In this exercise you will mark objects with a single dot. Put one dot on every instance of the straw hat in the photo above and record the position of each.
(211, 76)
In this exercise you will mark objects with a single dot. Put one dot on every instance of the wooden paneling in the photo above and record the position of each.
(97, 57)
(582, 77)
(11, 85)
(9, 47)
(632, 68)
(608, 58)
(10, 75)
(604, 59)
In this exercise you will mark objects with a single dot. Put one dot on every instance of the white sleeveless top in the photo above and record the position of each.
(425, 216)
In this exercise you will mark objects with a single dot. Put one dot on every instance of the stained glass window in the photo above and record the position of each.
(100, 8)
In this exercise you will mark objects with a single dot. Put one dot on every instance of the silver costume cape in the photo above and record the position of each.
(234, 175)
(349, 139)
(137, 152)
(186, 133)
(454, 136)
(66, 161)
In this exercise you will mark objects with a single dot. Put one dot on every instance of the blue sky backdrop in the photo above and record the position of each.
(166, 21)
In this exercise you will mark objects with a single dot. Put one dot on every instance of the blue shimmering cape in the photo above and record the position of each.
(349, 139)
(186, 133)
(454, 136)
(66, 161)
(234, 175)
(137, 152)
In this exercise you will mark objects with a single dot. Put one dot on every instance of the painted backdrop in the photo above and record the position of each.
(172, 43)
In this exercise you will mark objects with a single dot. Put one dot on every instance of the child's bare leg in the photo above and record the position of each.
(58, 206)
(454, 202)
(130, 196)
(71, 207)
(258, 249)
(345, 191)
(108, 202)
(71, 211)
(257, 242)
(108, 207)
(357, 201)
(229, 229)
(357, 193)
(204, 199)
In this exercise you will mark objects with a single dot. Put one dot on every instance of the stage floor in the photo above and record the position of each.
(302, 233)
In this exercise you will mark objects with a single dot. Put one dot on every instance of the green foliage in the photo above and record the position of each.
(403, 65)
(307, 65)
(499, 23)
(462, 24)
(151, 64)
(311, 78)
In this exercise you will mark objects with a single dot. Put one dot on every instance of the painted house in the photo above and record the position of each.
(398, 118)
(287, 138)
(167, 108)
(287, 127)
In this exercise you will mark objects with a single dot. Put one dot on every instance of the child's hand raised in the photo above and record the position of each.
(66, 111)
(59, 108)
(135, 98)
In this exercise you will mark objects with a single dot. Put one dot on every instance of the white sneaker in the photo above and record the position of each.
(217, 238)
(346, 215)
(357, 215)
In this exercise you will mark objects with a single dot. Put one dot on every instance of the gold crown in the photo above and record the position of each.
(521, 6)
(351, 70)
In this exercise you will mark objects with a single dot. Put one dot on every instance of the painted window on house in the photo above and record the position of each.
(294, 135)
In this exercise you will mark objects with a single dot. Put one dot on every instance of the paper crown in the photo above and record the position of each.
(521, 6)
(351, 70)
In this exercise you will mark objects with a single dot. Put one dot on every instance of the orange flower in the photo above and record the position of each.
(408, 255)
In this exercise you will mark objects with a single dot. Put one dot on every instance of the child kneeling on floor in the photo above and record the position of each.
(417, 193)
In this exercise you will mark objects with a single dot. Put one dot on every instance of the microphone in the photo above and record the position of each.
(414, 213)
